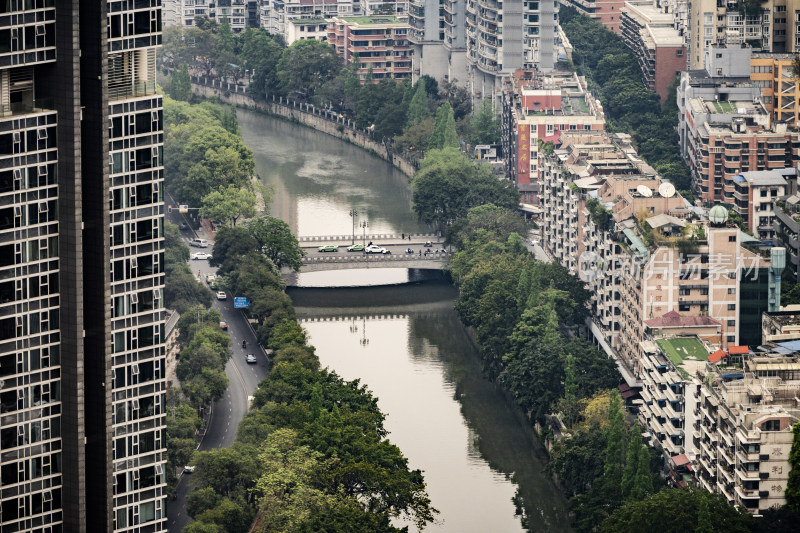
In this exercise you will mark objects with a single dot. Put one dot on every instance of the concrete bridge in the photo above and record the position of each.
(319, 263)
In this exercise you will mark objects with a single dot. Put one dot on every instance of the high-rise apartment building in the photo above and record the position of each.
(438, 36)
(606, 12)
(183, 12)
(82, 385)
(505, 36)
(770, 26)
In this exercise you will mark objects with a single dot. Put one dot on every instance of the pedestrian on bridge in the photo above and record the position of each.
(404, 236)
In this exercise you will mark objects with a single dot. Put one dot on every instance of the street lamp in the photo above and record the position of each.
(364, 224)
(353, 215)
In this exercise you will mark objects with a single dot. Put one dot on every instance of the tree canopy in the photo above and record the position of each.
(448, 184)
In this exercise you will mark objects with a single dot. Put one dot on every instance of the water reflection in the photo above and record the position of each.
(317, 180)
(476, 450)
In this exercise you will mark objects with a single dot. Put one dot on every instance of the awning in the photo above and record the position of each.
(680, 460)
(738, 350)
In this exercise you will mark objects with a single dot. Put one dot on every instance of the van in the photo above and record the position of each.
(200, 243)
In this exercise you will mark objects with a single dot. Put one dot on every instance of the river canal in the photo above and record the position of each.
(401, 337)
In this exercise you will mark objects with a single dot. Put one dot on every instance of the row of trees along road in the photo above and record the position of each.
(202, 359)
(310, 70)
(613, 75)
(312, 454)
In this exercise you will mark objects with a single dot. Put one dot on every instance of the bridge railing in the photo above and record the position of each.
(374, 237)
(374, 257)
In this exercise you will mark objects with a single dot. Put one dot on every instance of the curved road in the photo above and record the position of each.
(244, 379)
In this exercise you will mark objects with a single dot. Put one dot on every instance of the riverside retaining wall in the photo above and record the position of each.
(320, 119)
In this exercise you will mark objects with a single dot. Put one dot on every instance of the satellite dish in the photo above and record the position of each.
(644, 190)
(666, 189)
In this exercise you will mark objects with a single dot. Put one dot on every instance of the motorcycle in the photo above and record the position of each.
(244, 344)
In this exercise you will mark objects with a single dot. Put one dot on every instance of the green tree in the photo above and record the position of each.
(676, 510)
(228, 204)
(232, 517)
(489, 220)
(419, 107)
(275, 240)
(570, 390)
(201, 499)
(444, 129)
(643, 485)
(448, 185)
(486, 124)
(631, 462)
(793, 484)
(306, 65)
(180, 85)
(615, 448)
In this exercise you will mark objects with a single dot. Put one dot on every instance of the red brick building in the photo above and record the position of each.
(658, 47)
(606, 12)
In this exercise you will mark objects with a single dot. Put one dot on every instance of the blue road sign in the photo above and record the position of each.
(240, 302)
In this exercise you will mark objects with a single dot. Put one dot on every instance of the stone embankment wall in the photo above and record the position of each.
(321, 120)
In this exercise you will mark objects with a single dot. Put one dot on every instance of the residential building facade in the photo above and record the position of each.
(606, 12)
(725, 138)
(743, 434)
(770, 26)
(380, 42)
(754, 195)
(183, 12)
(83, 443)
(657, 45)
(504, 37)
(537, 108)
(438, 37)
(780, 90)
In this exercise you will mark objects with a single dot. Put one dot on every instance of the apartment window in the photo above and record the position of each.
(732, 290)
(731, 307)
(731, 323)
(731, 338)
(771, 425)
(732, 238)
(679, 52)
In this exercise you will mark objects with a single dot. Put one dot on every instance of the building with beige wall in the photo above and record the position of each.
(772, 26)
(780, 90)
(745, 411)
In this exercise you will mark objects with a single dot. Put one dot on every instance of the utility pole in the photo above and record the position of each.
(353, 215)
(364, 224)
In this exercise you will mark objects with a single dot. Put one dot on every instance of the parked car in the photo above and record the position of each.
(375, 249)
(211, 278)
(428, 244)
(201, 255)
(199, 243)
(223, 325)
(221, 295)
(251, 359)
(328, 248)
(535, 242)
(189, 469)
(356, 248)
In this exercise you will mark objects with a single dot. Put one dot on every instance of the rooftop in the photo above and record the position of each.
(674, 320)
(761, 178)
(679, 349)
(665, 35)
(297, 22)
(378, 20)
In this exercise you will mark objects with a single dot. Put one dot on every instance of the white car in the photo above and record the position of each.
(189, 468)
(221, 295)
(201, 255)
(535, 242)
(375, 249)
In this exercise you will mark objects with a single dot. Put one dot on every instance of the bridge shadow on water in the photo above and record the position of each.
(423, 287)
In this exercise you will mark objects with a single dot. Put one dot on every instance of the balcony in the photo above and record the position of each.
(29, 107)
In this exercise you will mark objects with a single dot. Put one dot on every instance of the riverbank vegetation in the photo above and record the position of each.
(613, 74)
(310, 70)
(448, 184)
(312, 453)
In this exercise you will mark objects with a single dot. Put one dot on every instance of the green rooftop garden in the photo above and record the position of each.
(680, 348)
(724, 107)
